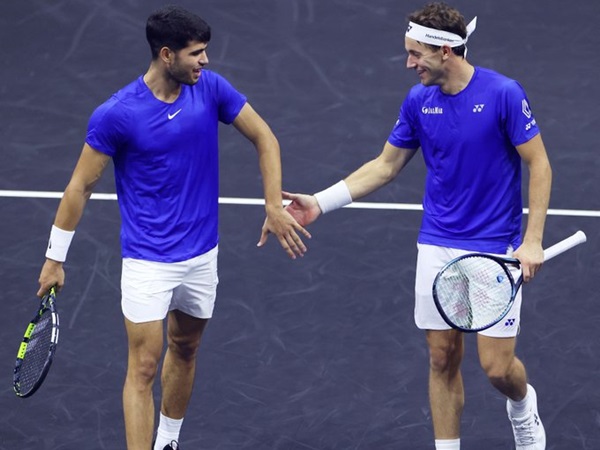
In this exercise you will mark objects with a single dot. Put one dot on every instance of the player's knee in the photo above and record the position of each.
(445, 358)
(142, 370)
(497, 371)
(184, 347)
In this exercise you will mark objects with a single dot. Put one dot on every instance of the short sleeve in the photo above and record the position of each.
(518, 119)
(404, 134)
(106, 128)
(230, 101)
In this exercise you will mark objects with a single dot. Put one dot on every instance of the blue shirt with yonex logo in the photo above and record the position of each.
(165, 159)
(472, 195)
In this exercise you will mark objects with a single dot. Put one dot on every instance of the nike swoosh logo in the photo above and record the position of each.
(170, 116)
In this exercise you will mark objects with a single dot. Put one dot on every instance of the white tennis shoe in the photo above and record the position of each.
(528, 431)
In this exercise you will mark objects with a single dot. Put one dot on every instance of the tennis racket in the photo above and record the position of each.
(37, 348)
(475, 291)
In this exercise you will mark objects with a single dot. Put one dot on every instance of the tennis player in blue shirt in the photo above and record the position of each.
(161, 132)
(474, 128)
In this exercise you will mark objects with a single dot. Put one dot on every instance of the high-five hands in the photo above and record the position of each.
(284, 226)
(303, 208)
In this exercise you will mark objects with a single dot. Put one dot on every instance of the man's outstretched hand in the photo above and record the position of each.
(304, 208)
(284, 226)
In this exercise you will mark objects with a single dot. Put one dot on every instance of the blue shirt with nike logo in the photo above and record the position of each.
(165, 159)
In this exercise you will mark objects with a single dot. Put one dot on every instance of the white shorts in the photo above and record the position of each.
(430, 261)
(151, 289)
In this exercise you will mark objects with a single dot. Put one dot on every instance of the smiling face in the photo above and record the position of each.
(186, 65)
(428, 63)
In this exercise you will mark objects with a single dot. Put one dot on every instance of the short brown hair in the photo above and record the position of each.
(440, 16)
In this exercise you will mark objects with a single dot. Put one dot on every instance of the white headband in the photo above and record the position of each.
(432, 36)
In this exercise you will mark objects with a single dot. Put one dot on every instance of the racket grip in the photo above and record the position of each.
(564, 245)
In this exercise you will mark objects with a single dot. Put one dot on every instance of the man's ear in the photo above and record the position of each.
(166, 55)
(446, 51)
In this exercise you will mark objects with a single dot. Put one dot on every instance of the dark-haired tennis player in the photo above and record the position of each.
(474, 127)
(161, 132)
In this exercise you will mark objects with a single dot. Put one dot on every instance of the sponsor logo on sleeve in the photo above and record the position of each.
(527, 112)
(526, 109)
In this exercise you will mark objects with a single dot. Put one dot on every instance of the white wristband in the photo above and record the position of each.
(58, 244)
(334, 197)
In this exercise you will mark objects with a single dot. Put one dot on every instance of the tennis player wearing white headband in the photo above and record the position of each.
(474, 127)
(433, 36)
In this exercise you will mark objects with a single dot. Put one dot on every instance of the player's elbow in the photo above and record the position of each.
(76, 189)
(385, 172)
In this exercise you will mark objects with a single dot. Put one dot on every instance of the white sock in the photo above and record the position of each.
(519, 408)
(447, 444)
(168, 430)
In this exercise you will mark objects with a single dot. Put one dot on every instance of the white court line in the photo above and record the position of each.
(259, 202)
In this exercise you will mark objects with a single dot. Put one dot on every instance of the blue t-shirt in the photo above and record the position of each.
(165, 159)
(472, 195)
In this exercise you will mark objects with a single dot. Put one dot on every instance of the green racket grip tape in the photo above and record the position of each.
(29, 330)
(22, 350)
(23, 346)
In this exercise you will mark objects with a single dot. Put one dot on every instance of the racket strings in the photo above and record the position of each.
(36, 353)
(474, 292)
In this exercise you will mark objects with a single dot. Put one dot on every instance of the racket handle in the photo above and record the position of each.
(564, 245)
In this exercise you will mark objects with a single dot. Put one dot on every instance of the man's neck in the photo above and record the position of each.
(459, 77)
(161, 85)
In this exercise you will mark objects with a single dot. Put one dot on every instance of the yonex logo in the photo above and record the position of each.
(409, 28)
(509, 322)
(530, 124)
(478, 108)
